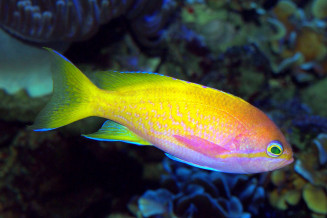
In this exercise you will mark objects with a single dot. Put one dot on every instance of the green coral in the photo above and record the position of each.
(316, 198)
(315, 96)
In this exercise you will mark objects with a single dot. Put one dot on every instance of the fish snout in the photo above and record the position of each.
(288, 161)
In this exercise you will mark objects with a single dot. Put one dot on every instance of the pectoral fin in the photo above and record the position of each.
(201, 145)
(189, 163)
(112, 131)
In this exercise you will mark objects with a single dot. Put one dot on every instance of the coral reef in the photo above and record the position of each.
(271, 53)
(307, 181)
(48, 21)
(281, 67)
(19, 106)
(313, 97)
(191, 192)
(26, 25)
(301, 43)
(315, 198)
(319, 9)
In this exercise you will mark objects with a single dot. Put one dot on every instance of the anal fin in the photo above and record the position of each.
(112, 131)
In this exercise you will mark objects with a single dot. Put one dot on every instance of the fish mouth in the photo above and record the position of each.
(289, 161)
(284, 163)
(281, 164)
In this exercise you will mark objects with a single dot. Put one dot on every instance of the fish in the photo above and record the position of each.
(191, 123)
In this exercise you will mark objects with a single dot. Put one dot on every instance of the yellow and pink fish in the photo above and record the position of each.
(191, 123)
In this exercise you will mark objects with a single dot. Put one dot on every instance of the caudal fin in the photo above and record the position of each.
(71, 99)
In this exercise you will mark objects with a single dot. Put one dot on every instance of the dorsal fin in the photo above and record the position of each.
(113, 80)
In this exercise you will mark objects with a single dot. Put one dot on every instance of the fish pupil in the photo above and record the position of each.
(275, 150)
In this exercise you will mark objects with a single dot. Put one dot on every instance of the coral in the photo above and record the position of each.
(223, 22)
(273, 53)
(288, 189)
(40, 21)
(319, 9)
(156, 202)
(310, 43)
(315, 198)
(192, 192)
(20, 106)
(310, 167)
(289, 183)
(46, 21)
(284, 11)
(301, 46)
(58, 23)
(313, 96)
(308, 183)
(321, 143)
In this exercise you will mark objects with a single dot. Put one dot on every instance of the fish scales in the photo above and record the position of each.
(191, 123)
(168, 102)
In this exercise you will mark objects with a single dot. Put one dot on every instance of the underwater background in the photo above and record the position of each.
(273, 54)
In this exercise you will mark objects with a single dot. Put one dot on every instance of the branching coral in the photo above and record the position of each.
(191, 192)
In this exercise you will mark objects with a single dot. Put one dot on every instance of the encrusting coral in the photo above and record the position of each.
(302, 45)
(315, 198)
(319, 9)
(307, 181)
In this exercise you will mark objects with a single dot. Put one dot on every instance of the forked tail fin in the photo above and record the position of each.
(72, 96)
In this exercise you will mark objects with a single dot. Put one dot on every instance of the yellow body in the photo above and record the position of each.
(194, 124)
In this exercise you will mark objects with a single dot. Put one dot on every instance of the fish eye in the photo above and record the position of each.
(275, 149)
